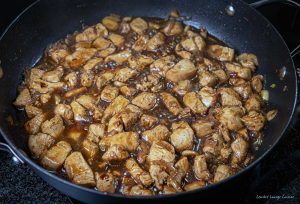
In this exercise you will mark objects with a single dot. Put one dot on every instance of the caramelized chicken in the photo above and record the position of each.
(140, 175)
(203, 128)
(39, 144)
(115, 153)
(161, 150)
(147, 121)
(162, 65)
(222, 172)
(145, 100)
(128, 139)
(171, 103)
(183, 70)
(200, 168)
(158, 133)
(182, 136)
(24, 98)
(53, 127)
(220, 53)
(254, 121)
(192, 100)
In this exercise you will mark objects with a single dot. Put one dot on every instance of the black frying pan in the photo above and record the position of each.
(45, 22)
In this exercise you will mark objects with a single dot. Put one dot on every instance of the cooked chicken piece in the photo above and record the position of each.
(105, 182)
(119, 58)
(78, 170)
(200, 42)
(44, 87)
(221, 74)
(80, 113)
(138, 25)
(130, 116)
(254, 121)
(162, 65)
(95, 132)
(106, 52)
(139, 175)
(242, 72)
(182, 137)
(194, 185)
(54, 75)
(231, 117)
(171, 103)
(145, 100)
(124, 74)
(35, 74)
(208, 96)
(80, 57)
(58, 54)
(159, 172)
(65, 111)
(109, 93)
(89, 150)
(189, 153)
(139, 62)
(141, 43)
(161, 150)
(239, 148)
(168, 190)
(220, 53)
(115, 153)
(92, 63)
(118, 40)
(183, 70)
(101, 44)
(229, 97)
(182, 87)
(32, 111)
(192, 100)
(82, 45)
(200, 168)
(203, 128)
(71, 79)
(248, 60)
(257, 83)
(54, 126)
(147, 121)
(128, 139)
(139, 190)
(91, 33)
(143, 151)
(158, 133)
(126, 185)
(223, 130)
(75, 92)
(33, 126)
(24, 98)
(87, 78)
(56, 155)
(115, 125)
(253, 103)
(207, 78)
(111, 22)
(104, 79)
(88, 102)
(116, 106)
(128, 91)
(182, 53)
(44, 98)
(222, 172)
(244, 90)
(173, 28)
(39, 144)
(155, 42)
(213, 145)
(183, 165)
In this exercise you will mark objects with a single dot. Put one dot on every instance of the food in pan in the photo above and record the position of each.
(143, 106)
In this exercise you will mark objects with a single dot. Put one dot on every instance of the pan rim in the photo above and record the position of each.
(36, 167)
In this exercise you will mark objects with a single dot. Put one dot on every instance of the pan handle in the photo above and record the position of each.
(7, 148)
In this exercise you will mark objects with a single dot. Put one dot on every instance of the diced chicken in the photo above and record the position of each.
(58, 53)
(220, 53)
(244, 90)
(104, 79)
(115, 153)
(189, 45)
(184, 69)
(138, 25)
(155, 42)
(180, 51)
(231, 117)
(109, 93)
(54, 75)
(194, 185)
(171, 103)
(101, 44)
(182, 137)
(111, 22)
(92, 63)
(208, 96)
(39, 144)
(253, 103)
(128, 139)
(118, 40)
(56, 155)
(71, 79)
(33, 126)
(254, 121)
(149, 82)
(183, 165)
(139, 190)
(248, 60)
(257, 83)
(239, 148)
(229, 97)
(96, 132)
(159, 172)
(162, 65)
(139, 175)
(82, 45)
(116, 106)
(143, 151)
(203, 128)
(115, 125)
(91, 33)
(241, 72)
(53, 127)
(221, 74)
(200, 168)
(139, 62)
(89, 150)
(89, 103)
(207, 78)
(158, 133)
(32, 111)
(75, 92)
(130, 116)
(173, 28)
(80, 57)
(24, 98)
(193, 101)
(141, 43)
(108, 51)
(78, 170)
(147, 121)
(65, 111)
(161, 150)
(79, 112)
(222, 172)
(145, 100)
(124, 74)
(105, 182)
(87, 78)
(119, 58)
(128, 91)
(189, 153)
(183, 87)
(223, 130)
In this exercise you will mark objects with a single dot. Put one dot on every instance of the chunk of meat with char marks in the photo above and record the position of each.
(56, 155)
(147, 121)
(116, 106)
(139, 190)
(231, 117)
(79, 111)
(124, 74)
(203, 128)
(58, 52)
(87, 78)
(162, 65)
(24, 98)
(117, 40)
(54, 75)
(128, 139)
(105, 182)
(229, 97)
(183, 87)
(115, 153)
(54, 126)
(200, 168)
(128, 91)
(194, 185)
(141, 43)
(119, 58)
(254, 121)
(101, 44)
(140, 62)
(221, 75)
(248, 60)
(78, 170)
(39, 144)
(242, 72)
(257, 83)
(65, 111)
(159, 175)
(141, 176)
(184, 69)
(222, 172)
(33, 125)
(171, 103)
(92, 63)
(32, 111)
(192, 100)
(89, 150)
(158, 133)
(181, 169)
(71, 79)
(111, 22)
(130, 116)
(89, 103)
(161, 150)
(142, 152)
(220, 53)
(104, 79)
(139, 25)
(145, 100)
(91, 33)
(240, 149)
(244, 90)
(95, 132)
(115, 125)
(254, 103)
(207, 78)
(155, 42)
(182, 136)
(213, 144)
(109, 93)
(208, 96)
(173, 28)
(80, 57)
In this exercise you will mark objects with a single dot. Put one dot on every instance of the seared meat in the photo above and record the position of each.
(33, 126)
(104, 79)
(254, 121)
(203, 128)
(208, 96)
(200, 168)
(130, 116)
(239, 148)
(244, 90)
(184, 69)
(145, 100)
(231, 117)
(139, 62)
(118, 40)
(53, 127)
(92, 33)
(96, 132)
(138, 25)
(155, 42)
(173, 28)
(162, 65)
(161, 150)
(256, 83)
(139, 190)
(182, 87)
(39, 144)
(220, 53)
(128, 91)
(171, 103)
(65, 111)
(54, 75)
(80, 57)
(194, 185)
(248, 60)
(222, 172)
(254, 103)
(128, 139)
(119, 58)
(124, 74)
(109, 93)
(139, 175)
(105, 182)
(32, 111)
(89, 150)
(79, 111)
(140, 43)
(158, 133)
(115, 153)
(234, 68)
(207, 78)
(116, 106)
(192, 100)
(182, 136)
(111, 22)
(229, 97)
(24, 98)
(147, 121)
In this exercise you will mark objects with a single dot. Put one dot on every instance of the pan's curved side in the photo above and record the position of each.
(48, 21)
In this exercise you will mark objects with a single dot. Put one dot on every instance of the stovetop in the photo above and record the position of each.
(275, 179)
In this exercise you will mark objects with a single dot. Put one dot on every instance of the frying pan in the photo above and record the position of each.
(234, 22)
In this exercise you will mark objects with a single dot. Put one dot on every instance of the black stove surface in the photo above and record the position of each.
(275, 180)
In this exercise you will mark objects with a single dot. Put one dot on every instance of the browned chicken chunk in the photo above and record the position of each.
(105, 182)
(183, 70)
(171, 103)
(115, 153)
(182, 136)
(128, 139)
(145, 100)
(158, 133)
(53, 127)
(39, 144)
